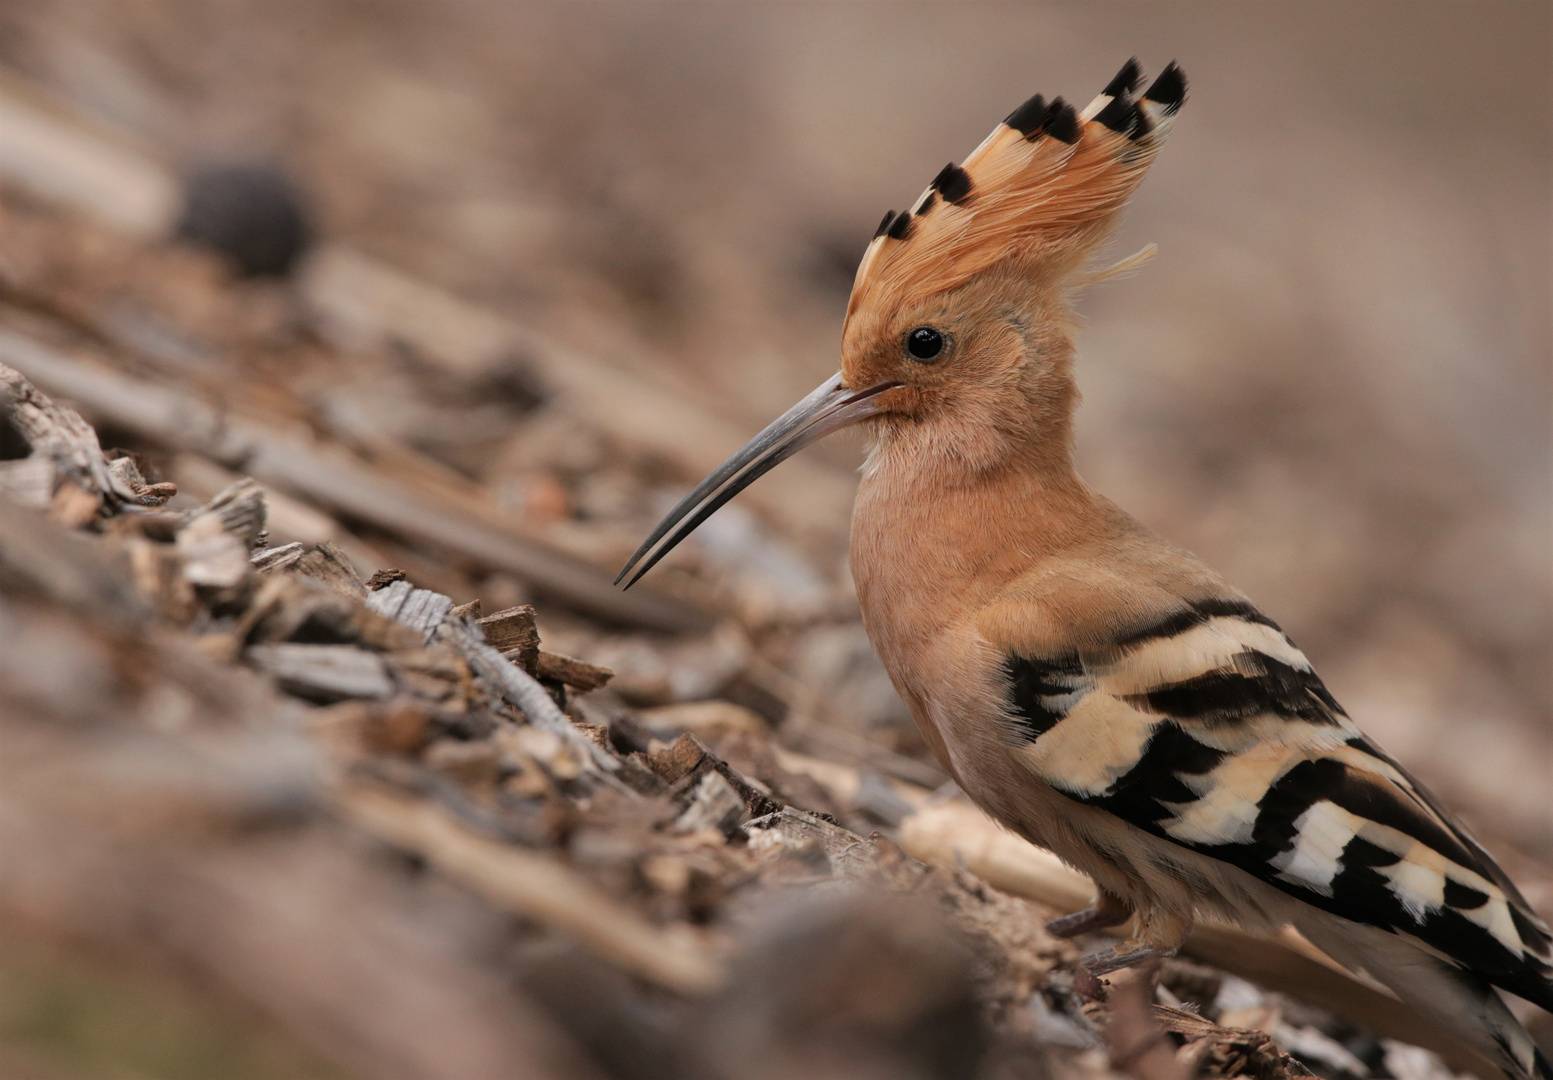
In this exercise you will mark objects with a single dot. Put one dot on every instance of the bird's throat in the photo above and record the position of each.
(931, 541)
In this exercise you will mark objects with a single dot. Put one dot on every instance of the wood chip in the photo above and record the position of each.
(383, 578)
(1212, 1049)
(324, 672)
(328, 564)
(714, 804)
(510, 683)
(690, 762)
(677, 760)
(798, 831)
(400, 726)
(475, 763)
(578, 674)
(514, 634)
(421, 609)
(270, 560)
(124, 470)
(60, 436)
(238, 509)
(289, 605)
(213, 557)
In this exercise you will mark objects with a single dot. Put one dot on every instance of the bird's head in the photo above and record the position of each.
(956, 339)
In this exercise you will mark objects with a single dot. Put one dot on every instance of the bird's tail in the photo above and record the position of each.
(1459, 1001)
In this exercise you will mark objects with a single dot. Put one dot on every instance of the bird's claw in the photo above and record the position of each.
(1115, 959)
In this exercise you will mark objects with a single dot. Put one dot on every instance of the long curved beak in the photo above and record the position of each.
(829, 407)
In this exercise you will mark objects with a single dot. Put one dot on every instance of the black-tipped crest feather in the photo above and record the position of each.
(1120, 115)
(1061, 122)
(1126, 80)
(1169, 90)
(953, 183)
(1029, 118)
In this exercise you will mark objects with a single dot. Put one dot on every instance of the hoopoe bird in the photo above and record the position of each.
(1087, 683)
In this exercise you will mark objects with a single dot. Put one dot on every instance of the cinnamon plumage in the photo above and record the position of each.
(1086, 682)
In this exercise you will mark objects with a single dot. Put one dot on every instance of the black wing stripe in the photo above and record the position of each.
(1328, 780)
(1194, 614)
(1233, 608)
(1257, 684)
(1142, 794)
(1037, 689)
(1359, 887)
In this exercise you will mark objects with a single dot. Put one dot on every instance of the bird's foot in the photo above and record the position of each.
(1126, 955)
(1108, 911)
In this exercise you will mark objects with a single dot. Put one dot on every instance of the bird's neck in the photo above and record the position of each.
(937, 532)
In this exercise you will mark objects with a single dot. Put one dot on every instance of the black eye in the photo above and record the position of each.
(924, 343)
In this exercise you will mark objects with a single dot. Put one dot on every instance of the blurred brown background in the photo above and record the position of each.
(1332, 383)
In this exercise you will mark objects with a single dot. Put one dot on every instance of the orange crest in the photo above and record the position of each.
(1041, 191)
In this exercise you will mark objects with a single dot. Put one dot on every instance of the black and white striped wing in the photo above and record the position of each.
(1210, 729)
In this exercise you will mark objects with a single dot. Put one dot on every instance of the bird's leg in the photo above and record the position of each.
(1159, 934)
(1108, 911)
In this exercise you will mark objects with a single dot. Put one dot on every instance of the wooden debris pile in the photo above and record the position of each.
(224, 740)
